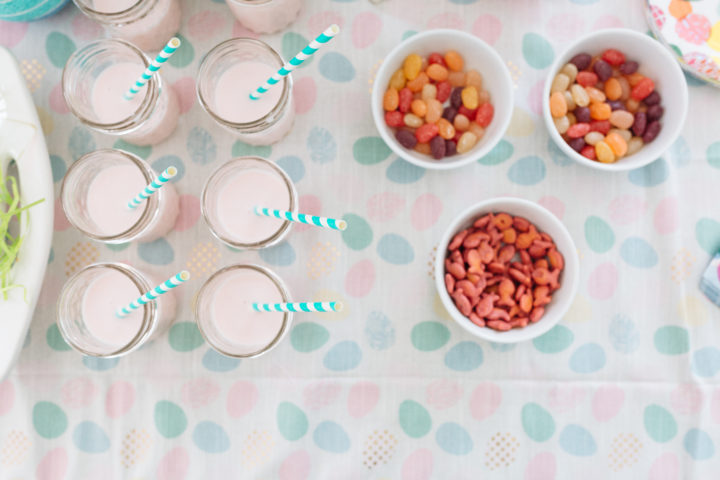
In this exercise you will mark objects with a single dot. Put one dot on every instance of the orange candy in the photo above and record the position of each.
(613, 89)
(391, 99)
(446, 129)
(418, 82)
(418, 107)
(454, 61)
(617, 144)
(437, 72)
(558, 105)
(600, 111)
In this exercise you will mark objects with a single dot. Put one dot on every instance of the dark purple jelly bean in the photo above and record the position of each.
(628, 68)
(616, 105)
(582, 114)
(406, 138)
(581, 60)
(577, 144)
(652, 99)
(603, 70)
(655, 112)
(437, 147)
(450, 148)
(449, 113)
(651, 132)
(456, 97)
(640, 123)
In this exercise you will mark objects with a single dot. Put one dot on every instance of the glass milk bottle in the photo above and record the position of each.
(95, 80)
(229, 73)
(149, 24)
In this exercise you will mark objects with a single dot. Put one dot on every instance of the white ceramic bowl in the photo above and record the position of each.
(545, 222)
(478, 55)
(655, 62)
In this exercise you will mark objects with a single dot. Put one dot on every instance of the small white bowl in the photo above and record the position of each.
(656, 63)
(477, 55)
(545, 222)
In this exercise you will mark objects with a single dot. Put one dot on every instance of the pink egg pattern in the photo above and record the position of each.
(304, 92)
(385, 206)
(484, 400)
(626, 209)
(320, 395)
(542, 466)
(189, 213)
(200, 392)
(174, 465)
(185, 90)
(119, 399)
(360, 279)
(362, 399)
(241, 398)
(425, 211)
(418, 465)
(78, 392)
(667, 215)
(607, 403)
(53, 465)
(687, 399)
(296, 466)
(444, 393)
(7, 396)
(365, 29)
(603, 281)
(488, 27)
(665, 467)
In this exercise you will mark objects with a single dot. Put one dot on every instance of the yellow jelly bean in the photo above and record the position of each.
(469, 97)
(466, 142)
(397, 81)
(412, 66)
(604, 153)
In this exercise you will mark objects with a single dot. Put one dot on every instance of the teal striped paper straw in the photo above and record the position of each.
(298, 307)
(302, 218)
(166, 286)
(164, 177)
(297, 60)
(155, 65)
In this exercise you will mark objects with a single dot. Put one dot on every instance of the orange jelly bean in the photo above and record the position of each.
(418, 82)
(618, 144)
(600, 111)
(437, 72)
(454, 60)
(446, 129)
(613, 89)
(418, 107)
(391, 99)
(558, 105)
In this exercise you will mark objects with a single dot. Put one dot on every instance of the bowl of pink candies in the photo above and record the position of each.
(507, 270)
(442, 99)
(615, 100)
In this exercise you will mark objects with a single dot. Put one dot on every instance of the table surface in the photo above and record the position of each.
(626, 386)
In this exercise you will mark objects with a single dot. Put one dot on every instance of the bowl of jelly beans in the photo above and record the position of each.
(442, 99)
(507, 270)
(615, 100)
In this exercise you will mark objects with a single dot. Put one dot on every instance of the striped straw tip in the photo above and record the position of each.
(174, 42)
(342, 225)
(339, 306)
(172, 171)
(185, 275)
(334, 29)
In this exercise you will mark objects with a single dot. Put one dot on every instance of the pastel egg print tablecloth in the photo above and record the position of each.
(625, 386)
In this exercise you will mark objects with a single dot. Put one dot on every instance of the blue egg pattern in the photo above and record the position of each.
(624, 335)
(556, 155)
(527, 171)
(395, 249)
(210, 437)
(158, 252)
(99, 364)
(57, 165)
(577, 441)
(80, 142)
(293, 166)
(90, 438)
(280, 255)
(706, 362)
(217, 362)
(464, 356)
(200, 146)
(698, 444)
(343, 356)
(321, 145)
(454, 439)
(638, 253)
(331, 437)
(650, 175)
(379, 331)
(588, 358)
(400, 171)
(336, 67)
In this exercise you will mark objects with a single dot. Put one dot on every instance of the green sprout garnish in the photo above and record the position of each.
(10, 213)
